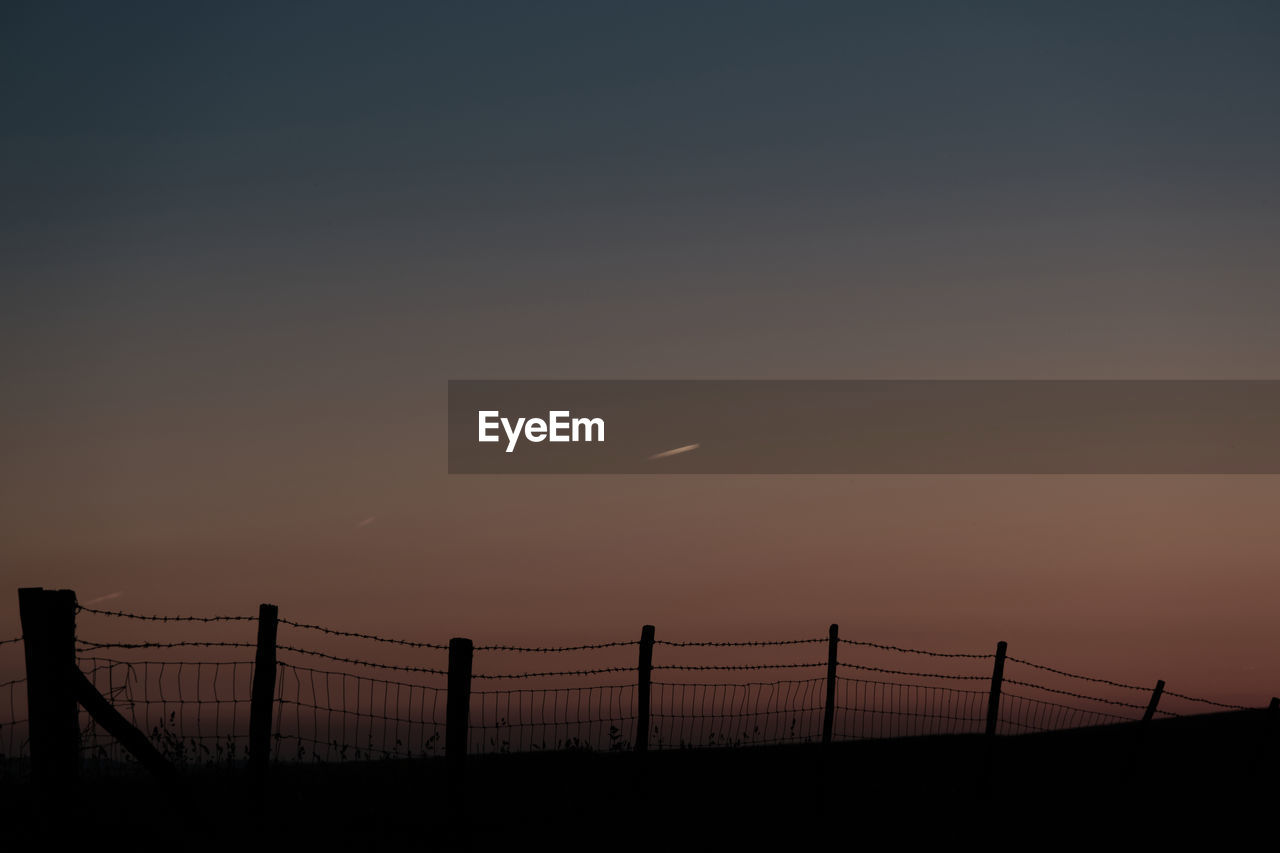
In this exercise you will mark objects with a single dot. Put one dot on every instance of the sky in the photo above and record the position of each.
(245, 246)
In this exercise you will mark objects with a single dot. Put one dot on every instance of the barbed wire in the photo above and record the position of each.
(7, 642)
(738, 667)
(1059, 706)
(1105, 681)
(121, 614)
(1074, 695)
(549, 649)
(357, 662)
(1111, 683)
(711, 644)
(783, 681)
(336, 674)
(1206, 701)
(85, 645)
(887, 648)
(599, 671)
(362, 636)
(935, 687)
(913, 674)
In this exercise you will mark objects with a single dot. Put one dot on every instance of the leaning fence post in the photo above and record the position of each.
(829, 717)
(49, 642)
(104, 714)
(264, 689)
(457, 711)
(643, 672)
(997, 679)
(1155, 700)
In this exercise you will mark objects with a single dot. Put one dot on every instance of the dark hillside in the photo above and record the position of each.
(1215, 773)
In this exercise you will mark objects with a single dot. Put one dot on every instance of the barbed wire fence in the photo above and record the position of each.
(304, 692)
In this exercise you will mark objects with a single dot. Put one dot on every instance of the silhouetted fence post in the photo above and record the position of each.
(457, 716)
(1155, 701)
(829, 716)
(1273, 717)
(644, 671)
(1270, 738)
(49, 641)
(264, 689)
(997, 679)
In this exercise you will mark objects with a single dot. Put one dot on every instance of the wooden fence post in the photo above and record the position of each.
(49, 641)
(643, 673)
(457, 716)
(1270, 737)
(264, 690)
(997, 679)
(1155, 701)
(829, 717)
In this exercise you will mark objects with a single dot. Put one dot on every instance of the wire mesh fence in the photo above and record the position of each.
(14, 731)
(196, 712)
(187, 682)
(751, 713)
(328, 715)
(596, 717)
(868, 709)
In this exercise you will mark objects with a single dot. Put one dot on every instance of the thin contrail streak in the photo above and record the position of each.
(678, 450)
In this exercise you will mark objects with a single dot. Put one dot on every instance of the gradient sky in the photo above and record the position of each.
(244, 247)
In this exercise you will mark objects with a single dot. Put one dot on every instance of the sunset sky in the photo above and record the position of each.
(246, 246)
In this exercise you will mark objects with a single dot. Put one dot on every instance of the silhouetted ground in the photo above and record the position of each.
(1209, 778)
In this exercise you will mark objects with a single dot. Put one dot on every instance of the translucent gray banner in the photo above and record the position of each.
(863, 427)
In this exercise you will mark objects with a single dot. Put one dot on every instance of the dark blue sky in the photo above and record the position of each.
(606, 117)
